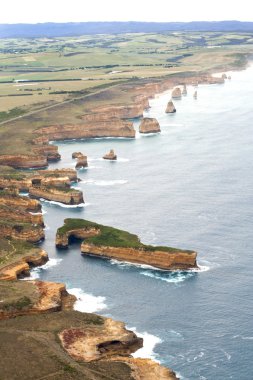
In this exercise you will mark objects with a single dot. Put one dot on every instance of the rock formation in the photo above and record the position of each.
(82, 160)
(123, 246)
(13, 200)
(95, 344)
(224, 76)
(110, 156)
(229, 77)
(20, 161)
(195, 94)
(170, 107)
(110, 128)
(172, 260)
(149, 125)
(176, 93)
(14, 267)
(66, 196)
(184, 92)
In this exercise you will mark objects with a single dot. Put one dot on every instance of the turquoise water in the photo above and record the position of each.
(190, 187)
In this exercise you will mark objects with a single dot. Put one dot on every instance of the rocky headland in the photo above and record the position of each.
(108, 242)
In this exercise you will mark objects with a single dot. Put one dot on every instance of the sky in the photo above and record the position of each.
(34, 11)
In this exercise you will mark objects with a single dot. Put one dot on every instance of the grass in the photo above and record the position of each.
(61, 69)
(110, 236)
(12, 250)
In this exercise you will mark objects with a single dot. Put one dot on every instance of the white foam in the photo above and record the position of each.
(170, 277)
(149, 343)
(63, 205)
(105, 183)
(35, 273)
(87, 302)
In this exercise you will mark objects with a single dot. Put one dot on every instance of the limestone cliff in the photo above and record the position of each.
(149, 125)
(21, 266)
(20, 161)
(176, 93)
(19, 202)
(49, 173)
(109, 242)
(110, 155)
(156, 258)
(66, 196)
(50, 151)
(98, 343)
(21, 231)
(62, 240)
(112, 128)
(170, 107)
(19, 215)
(128, 111)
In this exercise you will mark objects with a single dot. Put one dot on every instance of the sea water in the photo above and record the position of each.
(190, 186)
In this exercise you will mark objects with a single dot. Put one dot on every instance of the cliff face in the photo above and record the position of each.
(19, 202)
(113, 128)
(11, 271)
(50, 151)
(170, 107)
(159, 259)
(67, 196)
(99, 343)
(24, 232)
(176, 93)
(62, 240)
(70, 173)
(19, 215)
(49, 297)
(117, 111)
(24, 161)
(149, 125)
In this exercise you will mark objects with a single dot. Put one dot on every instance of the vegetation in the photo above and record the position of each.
(110, 236)
(88, 71)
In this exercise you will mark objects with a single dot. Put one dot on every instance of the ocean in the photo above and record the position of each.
(190, 186)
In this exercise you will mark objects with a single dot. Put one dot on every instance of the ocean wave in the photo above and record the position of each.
(35, 273)
(105, 183)
(170, 277)
(87, 303)
(149, 343)
(63, 205)
(175, 276)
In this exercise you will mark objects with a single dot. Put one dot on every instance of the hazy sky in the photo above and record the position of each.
(32, 11)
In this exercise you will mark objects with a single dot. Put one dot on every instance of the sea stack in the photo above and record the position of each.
(82, 162)
(195, 95)
(149, 125)
(184, 92)
(176, 93)
(229, 77)
(170, 107)
(224, 76)
(110, 156)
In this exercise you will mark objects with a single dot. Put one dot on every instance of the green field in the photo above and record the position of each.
(46, 81)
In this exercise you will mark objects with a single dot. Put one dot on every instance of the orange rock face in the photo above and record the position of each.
(149, 125)
(170, 107)
(100, 342)
(22, 266)
(113, 128)
(160, 259)
(62, 241)
(69, 197)
(23, 161)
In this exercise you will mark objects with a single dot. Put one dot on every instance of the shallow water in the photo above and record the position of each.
(190, 187)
